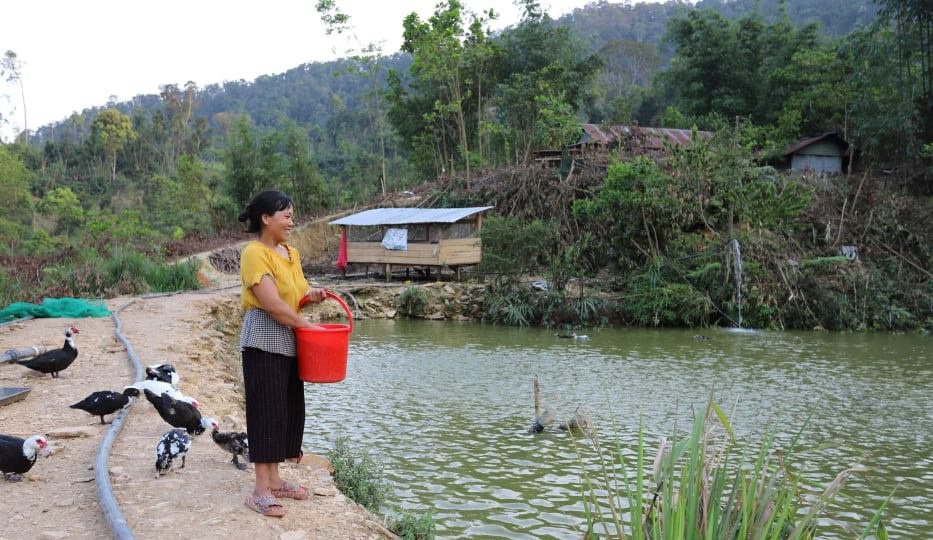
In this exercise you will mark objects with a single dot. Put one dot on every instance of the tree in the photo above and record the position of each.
(544, 70)
(110, 131)
(437, 48)
(913, 56)
(62, 205)
(244, 173)
(11, 67)
(301, 174)
(366, 63)
(735, 68)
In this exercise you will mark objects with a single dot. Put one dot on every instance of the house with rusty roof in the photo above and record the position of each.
(598, 139)
(648, 138)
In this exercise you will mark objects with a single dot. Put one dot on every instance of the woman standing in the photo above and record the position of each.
(273, 288)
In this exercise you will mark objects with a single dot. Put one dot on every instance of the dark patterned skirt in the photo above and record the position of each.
(275, 406)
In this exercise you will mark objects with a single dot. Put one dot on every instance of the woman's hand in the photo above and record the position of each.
(316, 295)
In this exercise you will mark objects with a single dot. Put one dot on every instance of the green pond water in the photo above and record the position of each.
(445, 408)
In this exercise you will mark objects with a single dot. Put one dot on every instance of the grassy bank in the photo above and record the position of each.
(89, 273)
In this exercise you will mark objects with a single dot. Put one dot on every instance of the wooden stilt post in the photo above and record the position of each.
(537, 398)
(388, 272)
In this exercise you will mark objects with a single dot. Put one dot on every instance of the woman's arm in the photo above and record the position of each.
(270, 302)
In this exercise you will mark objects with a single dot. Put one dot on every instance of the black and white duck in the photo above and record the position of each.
(163, 372)
(55, 360)
(160, 387)
(173, 445)
(180, 414)
(106, 402)
(17, 455)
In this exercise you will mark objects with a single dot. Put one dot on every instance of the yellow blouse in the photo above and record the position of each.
(258, 260)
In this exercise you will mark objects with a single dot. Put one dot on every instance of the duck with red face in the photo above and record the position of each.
(17, 455)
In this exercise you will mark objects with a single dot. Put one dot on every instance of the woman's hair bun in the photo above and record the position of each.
(265, 203)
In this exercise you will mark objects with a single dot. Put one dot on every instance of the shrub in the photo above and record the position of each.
(652, 298)
(414, 527)
(412, 302)
(511, 305)
(520, 305)
(512, 248)
(357, 476)
(10, 289)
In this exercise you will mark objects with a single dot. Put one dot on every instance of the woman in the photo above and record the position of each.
(273, 289)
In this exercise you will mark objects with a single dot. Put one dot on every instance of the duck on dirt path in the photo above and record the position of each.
(163, 372)
(158, 388)
(173, 445)
(55, 360)
(17, 456)
(180, 414)
(234, 442)
(106, 402)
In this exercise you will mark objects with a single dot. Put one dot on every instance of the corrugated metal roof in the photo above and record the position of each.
(408, 216)
(653, 137)
(803, 143)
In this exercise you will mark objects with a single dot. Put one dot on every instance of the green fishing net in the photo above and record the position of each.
(72, 308)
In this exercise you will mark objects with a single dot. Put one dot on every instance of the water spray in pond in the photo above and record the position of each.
(737, 258)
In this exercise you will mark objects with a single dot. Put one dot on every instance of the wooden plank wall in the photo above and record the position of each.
(445, 253)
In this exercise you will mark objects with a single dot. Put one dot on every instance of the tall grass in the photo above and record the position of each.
(703, 485)
(127, 266)
(121, 271)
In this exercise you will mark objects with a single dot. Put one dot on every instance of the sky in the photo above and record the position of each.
(77, 54)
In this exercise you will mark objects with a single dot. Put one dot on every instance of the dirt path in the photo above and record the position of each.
(58, 497)
(195, 332)
(190, 332)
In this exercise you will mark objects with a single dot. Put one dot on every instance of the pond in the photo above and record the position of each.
(445, 408)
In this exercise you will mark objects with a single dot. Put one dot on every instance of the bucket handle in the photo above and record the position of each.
(342, 304)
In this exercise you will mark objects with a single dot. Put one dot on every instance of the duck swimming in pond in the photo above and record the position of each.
(572, 336)
(543, 420)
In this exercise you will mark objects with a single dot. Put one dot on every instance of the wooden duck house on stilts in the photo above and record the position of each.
(419, 238)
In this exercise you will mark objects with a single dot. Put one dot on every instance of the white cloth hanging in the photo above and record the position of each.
(395, 239)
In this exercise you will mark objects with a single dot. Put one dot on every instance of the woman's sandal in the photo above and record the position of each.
(291, 491)
(265, 505)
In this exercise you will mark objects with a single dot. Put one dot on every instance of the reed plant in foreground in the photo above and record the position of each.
(703, 485)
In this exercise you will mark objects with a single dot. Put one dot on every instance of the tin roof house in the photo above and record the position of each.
(421, 238)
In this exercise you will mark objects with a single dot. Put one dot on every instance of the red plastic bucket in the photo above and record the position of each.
(322, 351)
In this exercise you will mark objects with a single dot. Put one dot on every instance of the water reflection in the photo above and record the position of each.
(445, 407)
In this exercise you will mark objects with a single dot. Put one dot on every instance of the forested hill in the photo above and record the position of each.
(312, 95)
(601, 23)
